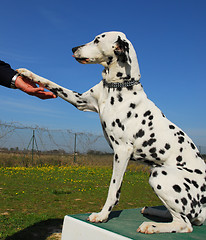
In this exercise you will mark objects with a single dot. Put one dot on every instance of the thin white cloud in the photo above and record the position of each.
(51, 17)
(16, 105)
(15, 56)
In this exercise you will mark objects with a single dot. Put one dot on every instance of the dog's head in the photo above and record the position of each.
(104, 49)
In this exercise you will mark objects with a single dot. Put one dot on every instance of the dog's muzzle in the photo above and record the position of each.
(80, 60)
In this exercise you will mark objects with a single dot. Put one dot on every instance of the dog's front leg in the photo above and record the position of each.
(121, 158)
(84, 102)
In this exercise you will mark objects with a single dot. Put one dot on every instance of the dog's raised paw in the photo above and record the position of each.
(25, 72)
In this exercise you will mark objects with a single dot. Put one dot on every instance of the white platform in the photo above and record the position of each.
(74, 229)
(122, 225)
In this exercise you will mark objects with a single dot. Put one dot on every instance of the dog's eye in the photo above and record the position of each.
(96, 41)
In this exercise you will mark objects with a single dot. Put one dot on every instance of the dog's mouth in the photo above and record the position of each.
(82, 60)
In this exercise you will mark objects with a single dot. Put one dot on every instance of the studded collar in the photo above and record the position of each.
(121, 85)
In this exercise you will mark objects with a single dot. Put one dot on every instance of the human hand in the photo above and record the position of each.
(29, 87)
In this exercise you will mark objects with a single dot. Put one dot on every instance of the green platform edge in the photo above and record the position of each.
(126, 222)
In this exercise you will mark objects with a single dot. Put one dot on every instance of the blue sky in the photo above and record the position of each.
(168, 35)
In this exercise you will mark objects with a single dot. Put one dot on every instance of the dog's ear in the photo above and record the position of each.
(122, 50)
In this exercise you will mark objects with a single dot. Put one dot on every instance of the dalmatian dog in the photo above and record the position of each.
(136, 129)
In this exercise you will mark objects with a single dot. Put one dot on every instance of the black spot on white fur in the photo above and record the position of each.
(139, 134)
(177, 188)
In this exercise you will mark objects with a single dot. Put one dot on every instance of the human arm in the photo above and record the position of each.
(10, 78)
(6, 74)
(30, 88)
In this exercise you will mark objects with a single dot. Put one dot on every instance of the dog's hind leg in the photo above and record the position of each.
(180, 224)
(173, 195)
(121, 158)
(177, 225)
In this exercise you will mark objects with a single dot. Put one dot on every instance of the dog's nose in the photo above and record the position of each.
(75, 48)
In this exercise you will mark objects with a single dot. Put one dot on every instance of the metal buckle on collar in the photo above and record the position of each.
(120, 85)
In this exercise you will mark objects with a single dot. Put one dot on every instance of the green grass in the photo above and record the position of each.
(34, 200)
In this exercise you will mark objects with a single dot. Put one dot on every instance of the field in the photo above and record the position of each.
(34, 199)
